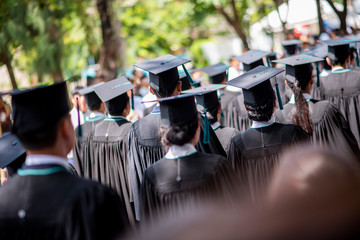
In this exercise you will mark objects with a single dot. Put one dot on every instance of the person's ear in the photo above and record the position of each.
(178, 86)
(152, 92)
(66, 129)
(126, 110)
(287, 84)
(327, 59)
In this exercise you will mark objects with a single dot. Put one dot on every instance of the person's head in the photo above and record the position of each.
(114, 94)
(46, 126)
(291, 47)
(252, 58)
(92, 99)
(259, 96)
(179, 121)
(12, 153)
(163, 75)
(339, 55)
(217, 73)
(234, 63)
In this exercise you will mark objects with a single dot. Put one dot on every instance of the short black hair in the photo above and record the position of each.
(342, 53)
(117, 105)
(95, 107)
(43, 138)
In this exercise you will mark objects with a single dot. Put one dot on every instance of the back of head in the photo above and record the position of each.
(37, 112)
(338, 54)
(164, 84)
(117, 105)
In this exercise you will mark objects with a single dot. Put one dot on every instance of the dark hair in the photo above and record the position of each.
(261, 112)
(300, 114)
(178, 135)
(340, 56)
(42, 138)
(117, 105)
(95, 107)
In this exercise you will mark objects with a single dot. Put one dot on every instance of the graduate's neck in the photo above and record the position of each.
(55, 151)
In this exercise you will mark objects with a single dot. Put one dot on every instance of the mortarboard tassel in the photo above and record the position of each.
(281, 107)
(268, 62)
(192, 82)
(317, 74)
(79, 132)
(357, 58)
(132, 100)
(206, 139)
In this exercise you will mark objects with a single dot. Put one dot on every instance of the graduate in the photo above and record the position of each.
(12, 153)
(81, 152)
(291, 47)
(210, 106)
(144, 136)
(184, 178)
(235, 114)
(44, 200)
(342, 86)
(255, 152)
(321, 119)
(108, 142)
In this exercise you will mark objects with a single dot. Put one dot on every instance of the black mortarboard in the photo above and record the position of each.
(217, 72)
(10, 149)
(12, 153)
(290, 46)
(298, 66)
(252, 58)
(339, 48)
(177, 110)
(114, 93)
(39, 107)
(207, 95)
(163, 73)
(91, 97)
(256, 84)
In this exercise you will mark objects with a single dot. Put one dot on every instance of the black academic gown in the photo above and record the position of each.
(145, 149)
(343, 90)
(48, 202)
(225, 135)
(235, 114)
(330, 127)
(254, 153)
(110, 165)
(171, 185)
(81, 151)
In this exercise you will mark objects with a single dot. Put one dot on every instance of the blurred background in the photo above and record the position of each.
(42, 41)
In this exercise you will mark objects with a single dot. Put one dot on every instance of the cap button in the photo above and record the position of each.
(21, 213)
(15, 142)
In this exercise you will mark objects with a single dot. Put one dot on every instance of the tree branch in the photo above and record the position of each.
(236, 15)
(332, 5)
(226, 16)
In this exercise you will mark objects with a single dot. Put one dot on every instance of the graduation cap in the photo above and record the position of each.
(256, 84)
(39, 107)
(91, 97)
(163, 73)
(177, 110)
(339, 48)
(114, 94)
(298, 65)
(290, 46)
(252, 58)
(12, 152)
(217, 72)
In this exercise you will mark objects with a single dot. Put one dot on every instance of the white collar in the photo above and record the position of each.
(215, 125)
(337, 68)
(176, 151)
(305, 95)
(115, 117)
(260, 124)
(42, 159)
(96, 114)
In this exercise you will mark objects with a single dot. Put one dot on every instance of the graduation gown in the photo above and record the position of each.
(170, 185)
(225, 135)
(235, 114)
(342, 88)
(48, 202)
(145, 148)
(108, 153)
(81, 151)
(254, 153)
(330, 127)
